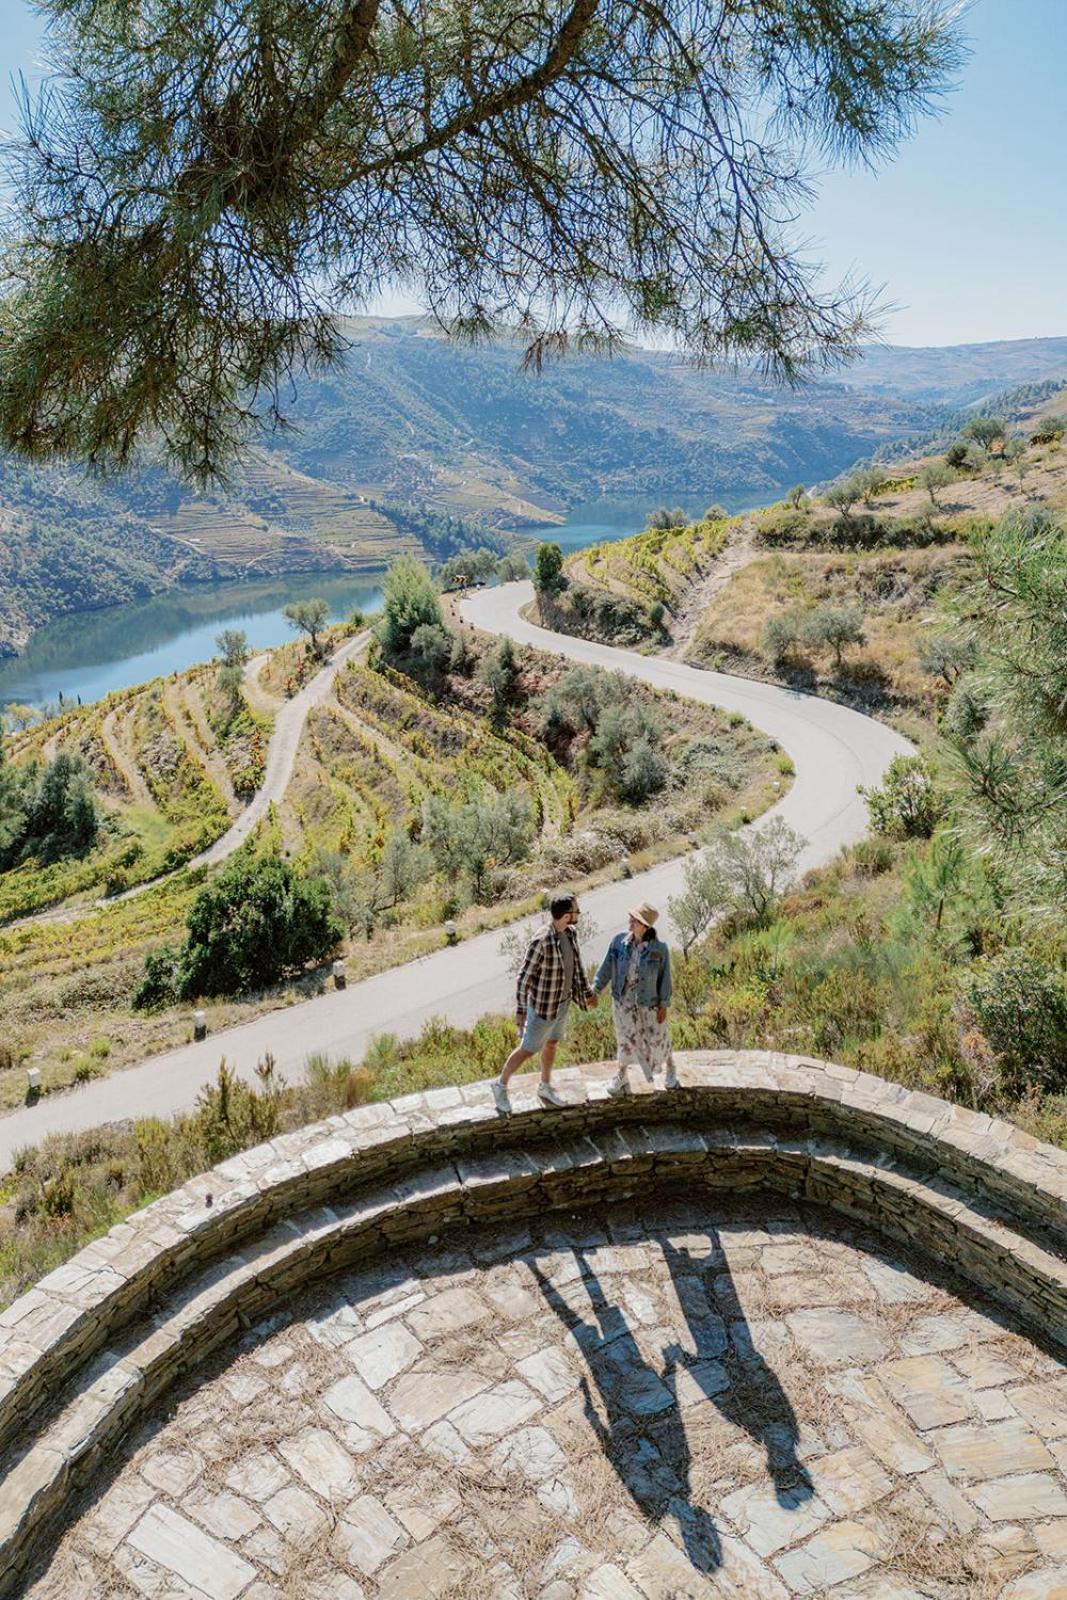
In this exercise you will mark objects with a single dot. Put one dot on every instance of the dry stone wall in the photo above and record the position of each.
(98, 1341)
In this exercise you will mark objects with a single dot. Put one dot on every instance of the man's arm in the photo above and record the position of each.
(531, 964)
(587, 996)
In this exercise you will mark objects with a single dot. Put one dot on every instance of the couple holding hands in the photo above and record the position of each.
(637, 966)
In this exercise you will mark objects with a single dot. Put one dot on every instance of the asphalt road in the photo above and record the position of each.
(833, 750)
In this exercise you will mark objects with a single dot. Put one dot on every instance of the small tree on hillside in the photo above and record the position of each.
(796, 496)
(834, 627)
(307, 616)
(934, 476)
(946, 655)
(229, 681)
(232, 646)
(843, 496)
(548, 576)
(410, 602)
(512, 567)
(403, 866)
(986, 431)
(256, 922)
(905, 805)
(501, 673)
(739, 874)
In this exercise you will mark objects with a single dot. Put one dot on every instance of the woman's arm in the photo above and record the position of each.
(605, 969)
(665, 986)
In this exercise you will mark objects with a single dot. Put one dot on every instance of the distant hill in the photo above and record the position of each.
(418, 444)
(957, 375)
(410, 415)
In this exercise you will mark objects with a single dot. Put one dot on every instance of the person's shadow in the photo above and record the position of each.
(752, 1398)
(641, 1432)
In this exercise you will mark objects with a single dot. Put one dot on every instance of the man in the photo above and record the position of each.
(551, 976)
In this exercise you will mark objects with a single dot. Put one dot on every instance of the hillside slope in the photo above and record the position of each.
(413, 435)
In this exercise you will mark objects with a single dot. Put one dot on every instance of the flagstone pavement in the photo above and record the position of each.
(649, 1402)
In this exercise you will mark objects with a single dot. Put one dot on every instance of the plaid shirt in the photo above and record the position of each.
(541, 977)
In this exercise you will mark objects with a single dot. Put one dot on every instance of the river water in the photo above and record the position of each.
(87, 656)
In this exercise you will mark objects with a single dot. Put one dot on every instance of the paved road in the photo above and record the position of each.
(833, 749)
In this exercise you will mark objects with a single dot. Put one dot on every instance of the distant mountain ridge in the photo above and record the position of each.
(957, 375)
(417, 444)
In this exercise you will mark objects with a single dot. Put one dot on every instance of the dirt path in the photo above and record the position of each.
(281, 758)
(255, 694)
(127, 768)
(738, 551)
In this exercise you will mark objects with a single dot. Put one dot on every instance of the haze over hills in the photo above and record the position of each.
(417, 444)
(957, 375)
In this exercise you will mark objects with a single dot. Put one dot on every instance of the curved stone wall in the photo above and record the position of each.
(96, 1343)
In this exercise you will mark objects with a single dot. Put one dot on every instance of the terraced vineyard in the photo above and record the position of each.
(171, 767)
(373, 757)
(375, 753)
(631, 589)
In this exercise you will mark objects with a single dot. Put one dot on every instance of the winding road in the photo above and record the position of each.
(832, 748)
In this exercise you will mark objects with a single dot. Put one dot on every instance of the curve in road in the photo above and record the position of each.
(832, 747)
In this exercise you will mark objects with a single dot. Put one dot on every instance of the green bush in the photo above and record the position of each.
(1020, 1004)
(258, 921)
(548, 578)
(906, 805)
(410, 602)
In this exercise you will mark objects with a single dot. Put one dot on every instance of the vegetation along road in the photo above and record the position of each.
(833, 749)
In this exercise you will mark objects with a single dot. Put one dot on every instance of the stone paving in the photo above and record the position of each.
(653, 1404)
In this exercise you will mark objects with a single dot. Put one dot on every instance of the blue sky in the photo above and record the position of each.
(966, 231)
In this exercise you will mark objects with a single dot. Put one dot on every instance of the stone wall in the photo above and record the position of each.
(99, 1340)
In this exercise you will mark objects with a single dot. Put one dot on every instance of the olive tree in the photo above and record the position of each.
(307, 616)
(200, 190)
(934, 476)
(739, 874)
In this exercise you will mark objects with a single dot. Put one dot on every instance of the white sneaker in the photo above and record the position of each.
(619, 1086)
(548, 1096)
(500, 1095)
(670, 1080)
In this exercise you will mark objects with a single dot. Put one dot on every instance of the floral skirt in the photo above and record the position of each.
(642, 1041)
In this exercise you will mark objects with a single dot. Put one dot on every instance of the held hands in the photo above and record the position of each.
(661, 1013)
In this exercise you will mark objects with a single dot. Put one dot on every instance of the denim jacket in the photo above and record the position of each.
(653, 972)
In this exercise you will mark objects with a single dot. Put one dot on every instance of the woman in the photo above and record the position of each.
(638, 967)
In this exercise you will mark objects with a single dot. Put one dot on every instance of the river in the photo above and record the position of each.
(87, 656)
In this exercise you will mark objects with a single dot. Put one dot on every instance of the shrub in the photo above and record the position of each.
(161, 981)
(432, 647)
(833, 627)
(548, 576)
(780, 635)
(1020, 1004)
(256, 922)
(966, 712)
(1049, 430)
(410, 602)
(740, 874)
(906, 805)
(644, 771)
